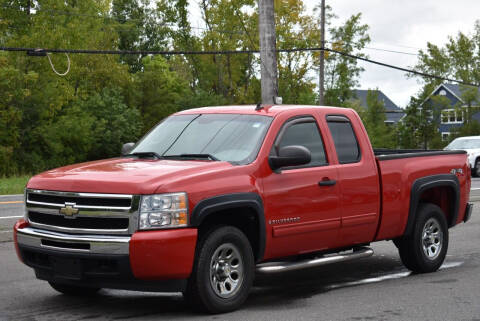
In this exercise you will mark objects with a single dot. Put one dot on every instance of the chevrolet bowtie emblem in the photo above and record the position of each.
(69, 210)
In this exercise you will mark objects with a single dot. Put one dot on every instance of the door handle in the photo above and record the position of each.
(327, 182)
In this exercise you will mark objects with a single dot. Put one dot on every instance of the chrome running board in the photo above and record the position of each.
(278, 267)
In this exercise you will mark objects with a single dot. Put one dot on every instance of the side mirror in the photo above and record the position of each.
(294, 155)
(127, 148)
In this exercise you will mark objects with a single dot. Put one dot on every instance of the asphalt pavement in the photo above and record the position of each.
(375, 288)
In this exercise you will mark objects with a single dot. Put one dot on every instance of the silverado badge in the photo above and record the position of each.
(69, 210)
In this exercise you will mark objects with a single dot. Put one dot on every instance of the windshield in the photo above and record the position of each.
(466, 143)
(227, 137)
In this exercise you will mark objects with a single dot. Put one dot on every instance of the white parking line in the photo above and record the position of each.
(392, 276)
(474, 189)
(5, 231)
(5, 217)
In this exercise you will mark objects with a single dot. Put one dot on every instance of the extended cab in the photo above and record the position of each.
(211, 196)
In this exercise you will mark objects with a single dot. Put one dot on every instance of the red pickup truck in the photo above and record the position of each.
(212, 196)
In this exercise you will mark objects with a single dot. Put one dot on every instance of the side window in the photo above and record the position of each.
(305, 133)
(346, 143)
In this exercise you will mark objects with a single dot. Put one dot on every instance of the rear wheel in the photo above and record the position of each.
(424, 250)
(223, 271)
(73, 290)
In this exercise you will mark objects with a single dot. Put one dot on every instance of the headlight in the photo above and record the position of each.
(163, 211)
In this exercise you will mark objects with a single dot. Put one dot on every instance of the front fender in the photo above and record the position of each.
(215, 204)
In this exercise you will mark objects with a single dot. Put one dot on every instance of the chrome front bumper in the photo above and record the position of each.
(68, 243)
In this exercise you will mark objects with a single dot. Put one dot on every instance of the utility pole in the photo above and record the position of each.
(321, 78)
(268, 54)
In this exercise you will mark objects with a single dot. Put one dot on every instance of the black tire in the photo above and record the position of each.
(208, 270)
(73, 290)
(425, 254)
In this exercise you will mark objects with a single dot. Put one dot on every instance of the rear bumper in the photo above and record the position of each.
(151, 260)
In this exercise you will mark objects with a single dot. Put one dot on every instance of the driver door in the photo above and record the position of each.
(302, 201)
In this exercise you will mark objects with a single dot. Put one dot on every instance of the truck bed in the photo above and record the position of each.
(399, 170)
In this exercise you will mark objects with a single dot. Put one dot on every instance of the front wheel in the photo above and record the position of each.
(223, 271)
(424, 250)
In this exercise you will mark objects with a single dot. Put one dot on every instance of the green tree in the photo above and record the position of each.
(115, 123)
(48, 120)
(140, 26)
(381, 135)
(458, 59)
(44, 129)
(229, 25)
(341, 72)
(14, 90)
(296, 28)
(66, 139)
(159, 91)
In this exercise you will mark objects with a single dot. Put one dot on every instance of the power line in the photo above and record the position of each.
(381, 49)
(392, 51)
(42, 52)
(397, 45)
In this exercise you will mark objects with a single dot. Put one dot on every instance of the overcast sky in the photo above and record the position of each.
(401, 25)
(398, 25)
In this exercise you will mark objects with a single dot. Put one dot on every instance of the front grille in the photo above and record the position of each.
(80, 201)
(95, 223)
(82, 213)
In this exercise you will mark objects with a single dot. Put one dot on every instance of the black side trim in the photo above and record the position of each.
(422, 184)
(230, 201)
(389, 151)
(408, 154)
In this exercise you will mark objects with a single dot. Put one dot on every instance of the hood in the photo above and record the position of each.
(122, 175)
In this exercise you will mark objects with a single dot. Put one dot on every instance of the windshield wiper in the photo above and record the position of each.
(193, 156)
(145, 154)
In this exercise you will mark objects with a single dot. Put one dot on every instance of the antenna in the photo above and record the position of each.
(259, 106)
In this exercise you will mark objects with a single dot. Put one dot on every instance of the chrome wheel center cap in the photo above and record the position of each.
(222, 270)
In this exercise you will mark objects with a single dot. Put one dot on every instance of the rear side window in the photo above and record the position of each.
(346, 143)
(305, 134)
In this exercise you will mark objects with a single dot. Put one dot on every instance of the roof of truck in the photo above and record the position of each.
(267, 110)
